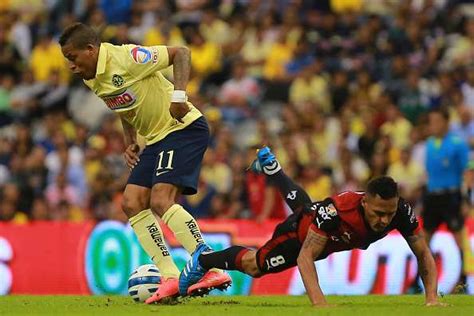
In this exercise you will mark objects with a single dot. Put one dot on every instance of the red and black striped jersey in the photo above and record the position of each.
(341, 218)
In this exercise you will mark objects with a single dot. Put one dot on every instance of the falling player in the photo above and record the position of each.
(345, 221)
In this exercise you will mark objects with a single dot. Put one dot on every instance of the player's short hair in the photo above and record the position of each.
(383, 186)
(444, 112)
(79, 35)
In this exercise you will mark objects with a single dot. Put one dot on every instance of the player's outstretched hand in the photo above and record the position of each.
(131, 155)
(179, 110)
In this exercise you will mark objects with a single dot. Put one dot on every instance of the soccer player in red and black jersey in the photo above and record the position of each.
(345, 221)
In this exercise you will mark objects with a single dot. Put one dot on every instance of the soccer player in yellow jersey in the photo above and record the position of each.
(127, 78)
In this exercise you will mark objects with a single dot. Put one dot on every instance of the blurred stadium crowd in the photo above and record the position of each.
(340, 89)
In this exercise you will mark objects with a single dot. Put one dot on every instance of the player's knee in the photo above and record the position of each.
(249, 263)
(162, 198)
(132, 205)
(254, 271)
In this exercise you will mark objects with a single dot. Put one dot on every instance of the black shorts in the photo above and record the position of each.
(280, 252)
(443, 208)
(176, 159)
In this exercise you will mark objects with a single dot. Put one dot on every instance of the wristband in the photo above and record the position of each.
(178, 96)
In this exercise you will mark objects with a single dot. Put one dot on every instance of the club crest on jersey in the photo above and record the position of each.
(140, 55)
(120, 101)
(117, 80)
(331, 209)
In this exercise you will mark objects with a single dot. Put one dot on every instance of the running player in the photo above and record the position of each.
(128, 80)
(345, 221)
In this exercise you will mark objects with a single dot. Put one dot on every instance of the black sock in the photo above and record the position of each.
(293, 194)
(227, 259)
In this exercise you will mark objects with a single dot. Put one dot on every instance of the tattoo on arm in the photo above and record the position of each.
(314, 243)
(181, 68)
(314, 240)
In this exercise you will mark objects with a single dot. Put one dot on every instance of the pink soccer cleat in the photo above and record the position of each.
(167, 292)
(210, 281)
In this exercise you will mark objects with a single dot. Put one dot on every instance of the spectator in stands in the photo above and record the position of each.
(46, 58)
(239, 94)
(342, 84)
(10, 59)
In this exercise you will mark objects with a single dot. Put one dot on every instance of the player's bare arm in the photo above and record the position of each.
(132, 148)
(312, 247)
(180, 58)
(426, 267)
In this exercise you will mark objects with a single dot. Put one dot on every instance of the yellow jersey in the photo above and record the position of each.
(130, 83)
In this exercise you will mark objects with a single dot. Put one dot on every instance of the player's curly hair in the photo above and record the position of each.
(79, 35)
(383, 186)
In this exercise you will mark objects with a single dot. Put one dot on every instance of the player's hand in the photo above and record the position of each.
(131, 155)
(179, 110)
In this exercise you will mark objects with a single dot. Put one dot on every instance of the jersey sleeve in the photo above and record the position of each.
(142, 61)
(326, 219)
(407, 223)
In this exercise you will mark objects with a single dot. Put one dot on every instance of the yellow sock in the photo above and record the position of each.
(184, 227)
(148, 231)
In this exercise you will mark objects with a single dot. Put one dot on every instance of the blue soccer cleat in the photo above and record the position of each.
(266, 162)
(192, 272)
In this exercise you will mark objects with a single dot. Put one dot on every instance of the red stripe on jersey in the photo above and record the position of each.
(317, 230)
(303, 226)
(238, 258)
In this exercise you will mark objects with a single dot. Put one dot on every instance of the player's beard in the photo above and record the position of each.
(379, 228)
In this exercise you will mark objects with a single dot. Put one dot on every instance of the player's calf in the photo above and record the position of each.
(267, 163)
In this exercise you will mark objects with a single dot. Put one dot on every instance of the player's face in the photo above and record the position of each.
(379, 212)
(438, 124)
(82, 62)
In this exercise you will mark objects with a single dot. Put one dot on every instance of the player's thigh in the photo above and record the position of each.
(142, 174)
(279, 253)
(452, 214)
(433, 206)
(249, 264)
(135, 199)
(289, 225)
(179, 157)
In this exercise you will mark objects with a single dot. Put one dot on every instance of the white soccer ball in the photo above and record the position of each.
(143, 282)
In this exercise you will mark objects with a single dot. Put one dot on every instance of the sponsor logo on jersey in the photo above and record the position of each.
(140, 55)
(155, 55)
(291, 195)
(346, 237)
(411, 213)
(120, 101)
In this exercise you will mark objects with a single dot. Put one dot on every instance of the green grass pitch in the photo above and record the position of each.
(460, 305)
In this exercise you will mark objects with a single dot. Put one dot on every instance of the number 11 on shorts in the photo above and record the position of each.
(169, 164)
